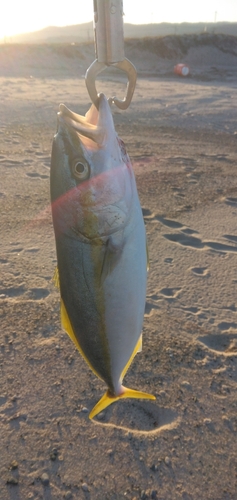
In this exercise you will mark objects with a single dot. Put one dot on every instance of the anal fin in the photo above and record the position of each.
(138, 348)
(67, 326)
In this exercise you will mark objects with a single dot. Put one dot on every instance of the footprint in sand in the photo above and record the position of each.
(179, 194)
(154, 296)
(46, 162)
(38, 293)
(188, 163)
(189, 169)
(150, 307)
(12, 292)
(224, 158)
(45, 158)
(170, 293)
(200, 271)
(218, 157)
(30, 151)
(27, 161)
(32, 250)
(11, 163)
(231, 201)
(227, 325)
(17, 250)
(221, 343)
(147, 214)
(196, 243)
(39, 153)
(185, 240)
(174, 224)
(193, 179)
(168, 260)
(22, 291)
(220, 247)
(36, 175)
(193, 310)
(230, 237)
(152, 304)
(138, 417)
(3, 400)
(187, 230)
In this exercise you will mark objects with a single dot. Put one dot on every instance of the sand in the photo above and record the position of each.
(181, 136)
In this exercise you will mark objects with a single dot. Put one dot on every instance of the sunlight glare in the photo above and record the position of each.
(24, 16)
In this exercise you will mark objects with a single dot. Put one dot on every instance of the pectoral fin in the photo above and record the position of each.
(108, 399)
(113, 250)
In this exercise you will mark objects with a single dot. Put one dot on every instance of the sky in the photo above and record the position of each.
(22, 16)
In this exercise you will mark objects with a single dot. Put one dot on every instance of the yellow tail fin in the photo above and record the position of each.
(107, 399)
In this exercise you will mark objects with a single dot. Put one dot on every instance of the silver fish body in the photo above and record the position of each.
(100, 242)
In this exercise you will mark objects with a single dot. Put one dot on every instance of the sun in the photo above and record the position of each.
(15, 18)
(24, 16)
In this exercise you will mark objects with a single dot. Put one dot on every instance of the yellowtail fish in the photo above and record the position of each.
(101, 245)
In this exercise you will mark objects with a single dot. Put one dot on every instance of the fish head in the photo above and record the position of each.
(92, 181)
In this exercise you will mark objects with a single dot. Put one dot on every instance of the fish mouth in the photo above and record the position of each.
(95, 125)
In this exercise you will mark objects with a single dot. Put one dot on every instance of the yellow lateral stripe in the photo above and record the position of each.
(137, 348)
(107, 399)
(66, 325)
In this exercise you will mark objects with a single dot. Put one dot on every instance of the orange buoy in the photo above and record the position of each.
(181, 69)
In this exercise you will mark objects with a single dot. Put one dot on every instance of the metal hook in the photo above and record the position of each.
(97, 67)
(109, 49)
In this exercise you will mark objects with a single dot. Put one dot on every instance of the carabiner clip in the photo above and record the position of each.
(97, 67)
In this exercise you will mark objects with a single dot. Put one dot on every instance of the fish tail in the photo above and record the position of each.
(107, 399)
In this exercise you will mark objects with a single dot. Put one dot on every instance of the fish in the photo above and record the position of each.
(100, 244)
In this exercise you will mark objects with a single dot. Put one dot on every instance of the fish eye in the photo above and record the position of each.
(80, 170)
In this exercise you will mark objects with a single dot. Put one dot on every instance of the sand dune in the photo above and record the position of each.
(85, 32)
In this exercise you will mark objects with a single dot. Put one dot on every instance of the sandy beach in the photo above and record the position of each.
(181, 135)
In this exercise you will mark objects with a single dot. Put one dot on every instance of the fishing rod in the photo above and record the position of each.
(109, 50)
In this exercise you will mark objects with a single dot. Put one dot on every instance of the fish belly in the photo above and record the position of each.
(125, 297)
